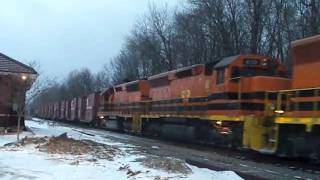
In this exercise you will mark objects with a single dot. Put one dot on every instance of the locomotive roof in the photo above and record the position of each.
(226, 61)
(305, 41)
(10, 65)
(106, 90)
(174, 71)
(128, 83)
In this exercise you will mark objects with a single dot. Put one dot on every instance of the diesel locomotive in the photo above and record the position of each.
(245, 101)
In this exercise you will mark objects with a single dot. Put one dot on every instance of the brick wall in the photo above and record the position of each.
(8, 117)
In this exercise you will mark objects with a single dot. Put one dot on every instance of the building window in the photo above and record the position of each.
(220, 75)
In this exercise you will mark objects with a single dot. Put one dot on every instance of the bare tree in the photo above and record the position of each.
(201, 32)
(162, 26)
(101, 79)
(23, 84)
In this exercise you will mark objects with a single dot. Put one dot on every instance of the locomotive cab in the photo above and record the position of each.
(239, 92)
(244, 80)
(254, 73)
(258, 67)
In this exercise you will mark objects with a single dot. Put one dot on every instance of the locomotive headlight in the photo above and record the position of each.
(265, 63)
(101, 117)
(219, 123)
(279, 111)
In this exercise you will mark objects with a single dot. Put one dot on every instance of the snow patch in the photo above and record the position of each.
(10, 138)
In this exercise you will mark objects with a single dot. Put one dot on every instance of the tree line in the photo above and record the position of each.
(201, 31)
(207, 30)
(78, 83)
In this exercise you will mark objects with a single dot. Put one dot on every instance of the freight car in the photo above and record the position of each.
(68, 110)
(74, 110)
(56, 109)
(51, 111)
(82, 108)
(243, 101)
(62, 110)
(91, 108)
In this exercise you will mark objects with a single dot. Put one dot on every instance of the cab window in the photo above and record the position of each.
(256, 67)
(251, 62)
(220, 75)
(235, 72)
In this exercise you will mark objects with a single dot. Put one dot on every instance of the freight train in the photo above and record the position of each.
(244, 101)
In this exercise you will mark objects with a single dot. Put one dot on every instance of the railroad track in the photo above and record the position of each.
(301, 165)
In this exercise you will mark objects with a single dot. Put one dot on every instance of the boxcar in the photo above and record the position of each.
(74, 109)
(51, 111)
(68, 110)
(82, 108)
(92, 105)
(45, 115)
(62, 110)
(57, 108)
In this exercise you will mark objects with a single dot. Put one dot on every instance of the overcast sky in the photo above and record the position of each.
(63, 35)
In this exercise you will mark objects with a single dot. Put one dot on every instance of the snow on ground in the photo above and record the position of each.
(12, 137)
(28, 162)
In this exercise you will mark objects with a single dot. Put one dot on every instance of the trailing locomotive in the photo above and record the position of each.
(220, 103)
(244, 101)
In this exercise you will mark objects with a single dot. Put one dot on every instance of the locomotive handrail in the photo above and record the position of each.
(234, 78)
(294, 93)
(291, 90)
(239, 88)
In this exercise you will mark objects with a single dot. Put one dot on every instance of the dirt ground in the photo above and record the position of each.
(167, 164)
(64, 145)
